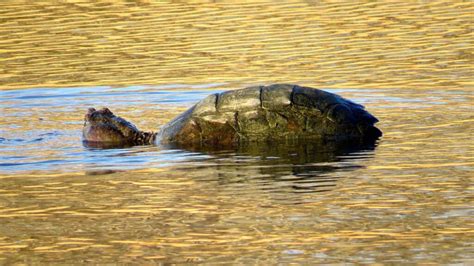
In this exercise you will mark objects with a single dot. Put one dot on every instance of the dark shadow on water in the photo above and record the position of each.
(292, 166)
(287, 170)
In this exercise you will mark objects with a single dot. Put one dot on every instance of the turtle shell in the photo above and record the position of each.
(270, 113)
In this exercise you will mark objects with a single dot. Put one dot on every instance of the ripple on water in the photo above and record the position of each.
(408, 201)
(410, 191)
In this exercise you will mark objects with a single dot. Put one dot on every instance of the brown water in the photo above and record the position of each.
(409, 200)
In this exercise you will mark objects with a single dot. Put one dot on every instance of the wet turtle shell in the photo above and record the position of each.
(268, 113)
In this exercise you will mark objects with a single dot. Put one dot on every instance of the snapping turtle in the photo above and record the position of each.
(263, 113)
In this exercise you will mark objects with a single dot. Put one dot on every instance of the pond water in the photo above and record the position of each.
(406, 200)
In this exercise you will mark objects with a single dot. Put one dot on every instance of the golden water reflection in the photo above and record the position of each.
(408, 200)
(329, 44)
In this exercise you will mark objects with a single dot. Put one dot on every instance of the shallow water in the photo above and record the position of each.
(407, 200)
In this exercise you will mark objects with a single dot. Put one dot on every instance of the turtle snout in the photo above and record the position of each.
(89, 117)
(89, 114)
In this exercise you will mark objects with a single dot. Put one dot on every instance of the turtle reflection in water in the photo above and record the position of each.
(233, 119)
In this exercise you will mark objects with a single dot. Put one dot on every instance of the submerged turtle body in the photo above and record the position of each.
(270, 113)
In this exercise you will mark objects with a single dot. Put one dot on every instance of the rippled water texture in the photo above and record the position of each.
(407, 200)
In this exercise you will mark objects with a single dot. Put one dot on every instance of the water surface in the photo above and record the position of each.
(407, 200)
(61, 201)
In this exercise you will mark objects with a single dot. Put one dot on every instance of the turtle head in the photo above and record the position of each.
(103, 127)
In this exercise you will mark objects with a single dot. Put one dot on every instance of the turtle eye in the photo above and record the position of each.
(94, 116)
